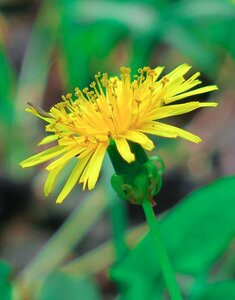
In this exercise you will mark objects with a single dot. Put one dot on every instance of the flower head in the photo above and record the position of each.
(115, 109)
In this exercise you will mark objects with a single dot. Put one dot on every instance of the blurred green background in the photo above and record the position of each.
(47, 48)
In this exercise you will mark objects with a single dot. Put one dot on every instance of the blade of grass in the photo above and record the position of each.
(33, 80)
(6, 88)
(36, 64)
(67, 237)
(100, 258)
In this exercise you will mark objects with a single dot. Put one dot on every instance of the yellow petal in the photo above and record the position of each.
(71, 151)
(178, 109)
(153, 128)
(140, 138)
(158, 70)
(169, 131)
(92, 169)
(51, 178)
(124, 149)
(202, 90)
(65, 141)
(48, 139)
(179, 71)
(97, 163)
(73, 178)
(43, 156)
(89, 149)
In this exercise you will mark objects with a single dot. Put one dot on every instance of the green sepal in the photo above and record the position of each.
(138, 180)
(120, 165)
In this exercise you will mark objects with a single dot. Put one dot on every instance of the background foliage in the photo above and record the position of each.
(95, 245)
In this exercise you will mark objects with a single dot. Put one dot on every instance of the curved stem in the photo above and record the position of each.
(162, 256)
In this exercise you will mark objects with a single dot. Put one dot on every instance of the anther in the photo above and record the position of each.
(77, 92)
(104, 80)
(58, 120)
(93, 84)
(68, 96)
(85, 90)
(164, 80)
(71, 136)
(146, 69)
(97, 76)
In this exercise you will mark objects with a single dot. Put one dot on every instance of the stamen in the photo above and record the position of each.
(125, 74)
(134, 85)
(63, 98)
(77, 92)
(99, 85)
(104, 80)
(69, 97)
(141, 77)
(59, 120)
(111, 106)
(85, 90)
(164, 80)
(146, 69)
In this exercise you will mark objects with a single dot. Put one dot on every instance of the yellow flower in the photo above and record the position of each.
(116, 109)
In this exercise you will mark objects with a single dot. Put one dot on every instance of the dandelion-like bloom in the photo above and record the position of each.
(114, 109)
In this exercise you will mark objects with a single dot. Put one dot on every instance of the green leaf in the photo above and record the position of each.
(200, 30)
(205, 10)
(59, 286)
(86, 46)
(211, 22)
(200, 228)
(5, 285)
(217, 291)
(6, 88)
(195, 232)
(190, 45)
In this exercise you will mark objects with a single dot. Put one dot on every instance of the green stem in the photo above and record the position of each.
(118, 216)
(119, 222)
(160, 250)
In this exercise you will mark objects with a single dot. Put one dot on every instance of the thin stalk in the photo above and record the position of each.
(161, 253)
(119, 220)
(118, 216)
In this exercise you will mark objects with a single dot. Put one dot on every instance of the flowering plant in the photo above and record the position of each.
(118, 110)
